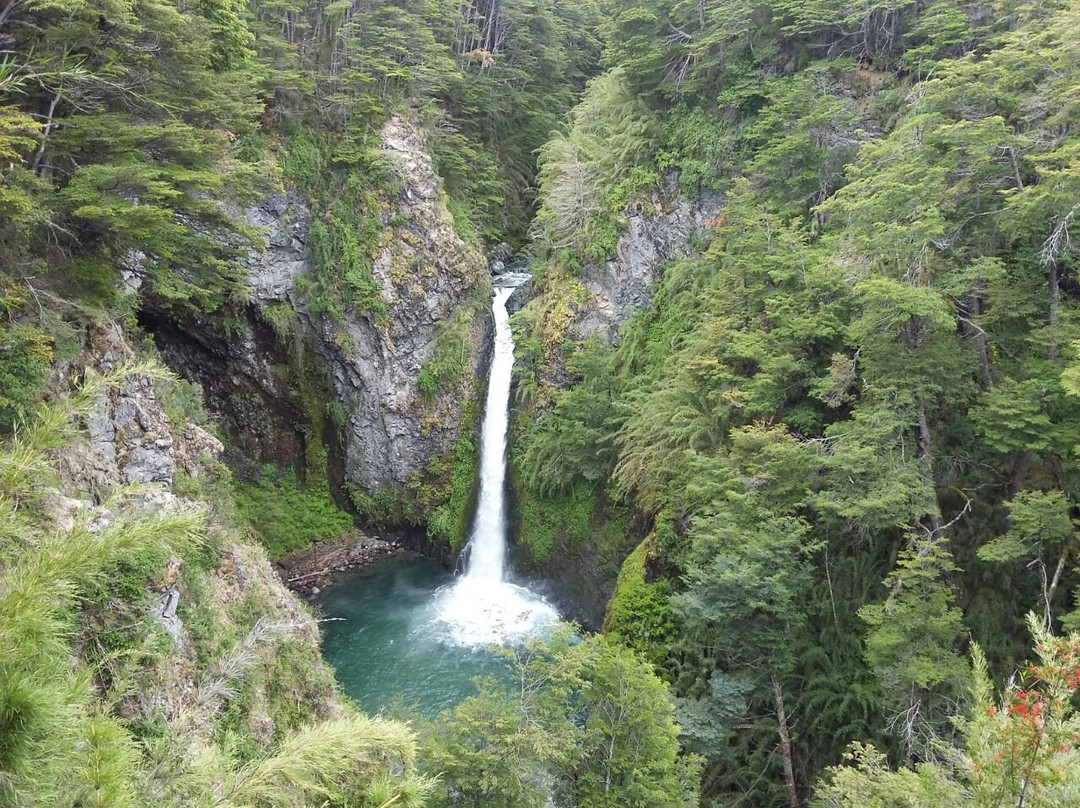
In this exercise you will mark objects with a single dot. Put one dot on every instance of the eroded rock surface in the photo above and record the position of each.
(128, 436)
(248, 363)
(425, 272)
(657, 232)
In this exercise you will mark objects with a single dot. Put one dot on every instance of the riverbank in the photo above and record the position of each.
(307, 572)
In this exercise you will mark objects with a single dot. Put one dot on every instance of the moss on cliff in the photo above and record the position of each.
(453, 500)
(639, 613)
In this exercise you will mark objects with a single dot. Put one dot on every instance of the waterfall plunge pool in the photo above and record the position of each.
(385, 641)
(405, 629)
(386, 637)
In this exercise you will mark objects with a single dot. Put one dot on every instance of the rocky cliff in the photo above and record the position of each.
(599, 298)
(376, 391)
(202, 641)
(576, 542)
(436, 287)
(658, 229)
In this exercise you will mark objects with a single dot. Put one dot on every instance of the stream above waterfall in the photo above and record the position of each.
(407, 629)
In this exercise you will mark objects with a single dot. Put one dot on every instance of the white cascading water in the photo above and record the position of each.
(482, 607)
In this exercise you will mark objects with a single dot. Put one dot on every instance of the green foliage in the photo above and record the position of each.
(324, 760)
(611, 131)
(282, 319)
(183, 402)
(286, 516)
(1017, 748)
(912, 643)
(343, 178)
(1035, 517)
(857, 400)
(25, 356)
(388, 505)
(81, 653)
(639, 613)
(569, 523)
(449, 521)
(586, 721)
(127, 166)
(451, 354)
(520, 67)
(851, 415)
(57, 743)
(573, 441)
(490, 755)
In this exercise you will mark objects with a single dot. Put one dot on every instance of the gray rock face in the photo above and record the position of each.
(284, 220)
(129, 437)
(238, 368)
(652, 238)
(425, 273)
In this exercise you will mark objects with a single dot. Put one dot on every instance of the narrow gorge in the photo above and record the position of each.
(408, 616)
(539, 404)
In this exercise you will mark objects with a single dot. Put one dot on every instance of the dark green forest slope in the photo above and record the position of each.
(842, 435)
(852, 420)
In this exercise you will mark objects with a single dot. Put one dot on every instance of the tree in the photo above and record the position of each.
(1040, 528)
(1019, 748)
(912, 646)
(611, 131)
(579, 719)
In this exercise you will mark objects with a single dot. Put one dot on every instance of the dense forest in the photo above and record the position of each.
(829, 465)
(850, 419)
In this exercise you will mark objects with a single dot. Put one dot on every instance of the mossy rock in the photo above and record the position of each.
(639, 612)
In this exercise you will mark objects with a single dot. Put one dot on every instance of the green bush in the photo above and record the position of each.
(389, 505)
(639, 612)
(344, 180)
(25, 354)
(183, 402)
(286, 516)
(282, 319)
(569, 523)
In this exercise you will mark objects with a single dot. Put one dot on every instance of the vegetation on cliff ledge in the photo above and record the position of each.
(841, 436)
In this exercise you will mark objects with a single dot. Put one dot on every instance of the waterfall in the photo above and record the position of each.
(482, 607)
(487, 542)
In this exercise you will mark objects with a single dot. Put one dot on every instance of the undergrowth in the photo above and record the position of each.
(285, 515)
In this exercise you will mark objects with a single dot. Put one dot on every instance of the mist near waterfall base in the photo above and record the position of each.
(406, 629)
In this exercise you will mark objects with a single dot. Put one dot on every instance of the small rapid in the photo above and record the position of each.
(482, 607)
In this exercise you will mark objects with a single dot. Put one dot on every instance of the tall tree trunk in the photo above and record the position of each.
(785, 741)
(973, 308)
(50, 122)
(926, 460)
(1055, 307)
(1051, 588)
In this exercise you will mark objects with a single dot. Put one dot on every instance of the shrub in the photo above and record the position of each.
(25, 354)
(285, 515)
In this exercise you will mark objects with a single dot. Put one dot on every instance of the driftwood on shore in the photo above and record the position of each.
(323, 571)
(303, 571)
